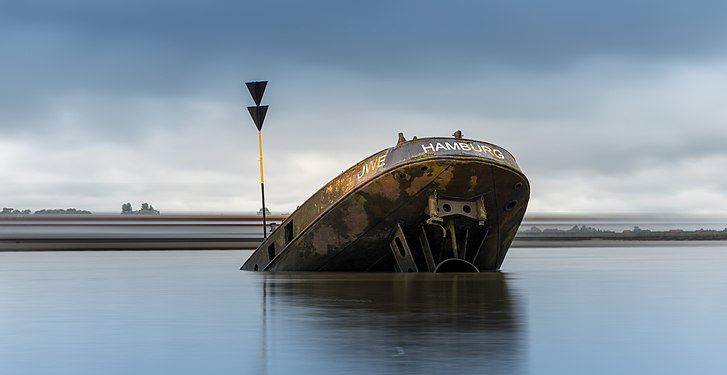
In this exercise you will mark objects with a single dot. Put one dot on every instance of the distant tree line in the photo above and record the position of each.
(574, 229)
(60, 211)
(583, 232)
(12, 211)
(146, 209)
(53, 211)
(126, 208)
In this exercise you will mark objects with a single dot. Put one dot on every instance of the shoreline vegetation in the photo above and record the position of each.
(578, 233)
(126, 209)
(47, 211)
(146, 209)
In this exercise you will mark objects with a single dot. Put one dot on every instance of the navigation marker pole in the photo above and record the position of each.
(258, 112)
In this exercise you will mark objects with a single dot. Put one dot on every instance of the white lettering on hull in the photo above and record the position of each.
(462, 146)
(375, 163)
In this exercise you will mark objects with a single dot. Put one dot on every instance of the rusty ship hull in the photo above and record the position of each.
(425, 205)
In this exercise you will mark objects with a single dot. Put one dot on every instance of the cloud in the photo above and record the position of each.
(602, 104)
(688, 186)
(141, 45)
(574, 133)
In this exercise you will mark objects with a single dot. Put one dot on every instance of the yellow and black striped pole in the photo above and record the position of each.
(262, 179)
(258, 112)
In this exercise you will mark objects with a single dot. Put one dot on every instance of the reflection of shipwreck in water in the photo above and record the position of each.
(429, 204)
(415, 323)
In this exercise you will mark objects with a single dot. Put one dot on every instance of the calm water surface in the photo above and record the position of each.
(644, 310)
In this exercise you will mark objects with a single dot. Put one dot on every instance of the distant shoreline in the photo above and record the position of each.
(556, 243)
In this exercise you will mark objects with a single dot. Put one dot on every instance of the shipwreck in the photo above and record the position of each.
(444, 204)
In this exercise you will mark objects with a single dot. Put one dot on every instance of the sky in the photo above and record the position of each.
(609, 107)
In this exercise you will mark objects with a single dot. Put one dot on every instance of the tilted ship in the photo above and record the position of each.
(424, 205)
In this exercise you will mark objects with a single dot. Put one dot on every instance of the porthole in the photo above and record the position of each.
(466, 208)
(447, 207)
(518, 185)
(510, 205)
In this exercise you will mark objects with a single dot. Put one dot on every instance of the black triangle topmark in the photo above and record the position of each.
(257, 89)
(258, 115)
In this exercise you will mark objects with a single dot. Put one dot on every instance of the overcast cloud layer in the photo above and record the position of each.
(612, 107)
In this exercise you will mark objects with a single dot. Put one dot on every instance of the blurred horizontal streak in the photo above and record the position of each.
(131, 232)
(251, 218)
(134, 218)
(237, 232)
